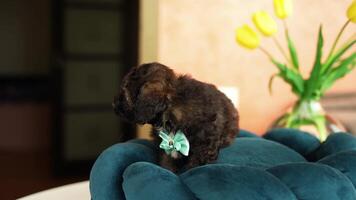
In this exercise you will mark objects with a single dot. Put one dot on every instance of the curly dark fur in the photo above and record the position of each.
(152, 93)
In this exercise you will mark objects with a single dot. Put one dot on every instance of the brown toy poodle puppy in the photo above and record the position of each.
(152, 93)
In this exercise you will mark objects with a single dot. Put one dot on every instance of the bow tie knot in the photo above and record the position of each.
(178, 142)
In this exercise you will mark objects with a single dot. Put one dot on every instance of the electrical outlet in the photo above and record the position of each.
(232, 93)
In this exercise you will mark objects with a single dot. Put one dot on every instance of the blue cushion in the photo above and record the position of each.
(335, 143)
(146, 143)
(245, 133)
(273, 167)
(143, 180)
(106, 174)
(310, 181)
(345, 162)
(300, 141)
(223, 181)
(257, 153)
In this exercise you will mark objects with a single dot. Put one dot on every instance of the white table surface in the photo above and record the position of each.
(75, 191)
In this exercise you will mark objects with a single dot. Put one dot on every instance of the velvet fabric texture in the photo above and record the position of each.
(285, 164)
(300, 141)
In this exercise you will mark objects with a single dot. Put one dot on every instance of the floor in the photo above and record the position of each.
(26, 173)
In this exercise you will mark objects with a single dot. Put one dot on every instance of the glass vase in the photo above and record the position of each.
(309, 116)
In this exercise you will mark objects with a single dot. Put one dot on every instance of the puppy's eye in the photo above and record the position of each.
(135, 76)
(144, 72)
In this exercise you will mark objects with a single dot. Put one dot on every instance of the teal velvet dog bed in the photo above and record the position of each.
(285, 164)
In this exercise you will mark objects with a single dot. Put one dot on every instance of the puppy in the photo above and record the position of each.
(152, 93)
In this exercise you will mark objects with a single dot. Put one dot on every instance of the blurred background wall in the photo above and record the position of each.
(25, 49)
(25, 36)
(60, 65)
(197, 37)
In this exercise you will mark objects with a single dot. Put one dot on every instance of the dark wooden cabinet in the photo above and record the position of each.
(94, 45)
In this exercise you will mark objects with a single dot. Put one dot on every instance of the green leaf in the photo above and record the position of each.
(292, 52)
(334, 58)
(270, 83)
(313, 82)
(345, 67)
(294, 79)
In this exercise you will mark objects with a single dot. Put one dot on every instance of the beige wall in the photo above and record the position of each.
(197, 37)
(148, 37)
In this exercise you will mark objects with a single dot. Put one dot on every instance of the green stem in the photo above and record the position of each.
(266, 52)
(320, 126)
(305, 112)
(294, 115)
(337, 39)
(349, 40)
(281, 50)
(286, 31)
(285, 25)
(289, 122)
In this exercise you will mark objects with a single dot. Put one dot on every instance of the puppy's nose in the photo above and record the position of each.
(116, 107)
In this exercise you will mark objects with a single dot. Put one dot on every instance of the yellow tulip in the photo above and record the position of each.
(264, 23)
(351, 12)
(283, 8)
(247, 37)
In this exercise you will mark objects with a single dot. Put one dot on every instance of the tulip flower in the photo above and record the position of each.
(264, 23)
(351, 12)
(325, 71)
(247, 37)
(283, 8)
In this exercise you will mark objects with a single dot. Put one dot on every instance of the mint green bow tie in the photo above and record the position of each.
(178, 143)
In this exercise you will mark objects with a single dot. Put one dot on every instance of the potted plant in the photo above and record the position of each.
(307, 111)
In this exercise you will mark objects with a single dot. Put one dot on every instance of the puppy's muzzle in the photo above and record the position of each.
(117, 105)
(121, 108)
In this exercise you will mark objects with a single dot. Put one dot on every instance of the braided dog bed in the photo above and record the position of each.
(284, 164)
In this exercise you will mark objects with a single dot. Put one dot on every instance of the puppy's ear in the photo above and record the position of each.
(152, 87)
(151, 100)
